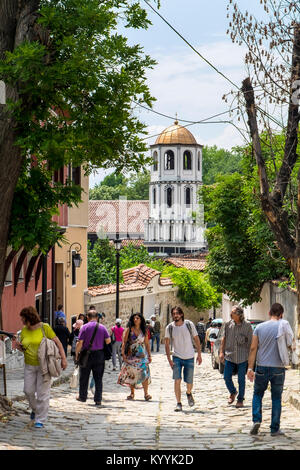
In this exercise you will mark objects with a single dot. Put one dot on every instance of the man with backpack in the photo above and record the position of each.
(182, 335)
(200, 327)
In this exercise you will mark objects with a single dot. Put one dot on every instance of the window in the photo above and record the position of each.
(58, 176)
(76, 176)
(188, 196)
(187, 160)
(169, 197)
(199, 161)
(169, 160)
(154, 196)
(155, 164)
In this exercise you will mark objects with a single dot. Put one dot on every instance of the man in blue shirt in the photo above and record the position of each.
(59, 314)
(269, 368)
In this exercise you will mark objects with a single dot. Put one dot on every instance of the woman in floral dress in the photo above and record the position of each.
(135, 372)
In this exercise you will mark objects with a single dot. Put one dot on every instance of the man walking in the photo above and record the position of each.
(200, 327)
(180, 335)
(269, 367)
(156, 333)
(91, 337)
(234, 349)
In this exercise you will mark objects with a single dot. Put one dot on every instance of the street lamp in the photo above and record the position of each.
(76, 258)
(118, 244)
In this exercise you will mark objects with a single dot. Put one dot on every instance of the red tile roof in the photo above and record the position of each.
(117, 216)
(195, 263)
(136, 278)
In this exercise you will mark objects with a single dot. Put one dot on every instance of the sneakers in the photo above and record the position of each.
(190, 399)
(254, 429)
(98, 403)
(178, 407)
(38, 425)
(277, 433)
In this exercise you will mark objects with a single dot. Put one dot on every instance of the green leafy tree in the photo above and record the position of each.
(242, 254)
(133, 187)
(70, 79)
(218, 161)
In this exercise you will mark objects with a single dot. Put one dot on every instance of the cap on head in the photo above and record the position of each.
(118, 321)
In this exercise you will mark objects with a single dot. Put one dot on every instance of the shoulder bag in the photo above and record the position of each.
(85, 353)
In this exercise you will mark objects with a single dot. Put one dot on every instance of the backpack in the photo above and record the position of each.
(189, 327)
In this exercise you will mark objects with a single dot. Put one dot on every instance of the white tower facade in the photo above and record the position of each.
(175, 223)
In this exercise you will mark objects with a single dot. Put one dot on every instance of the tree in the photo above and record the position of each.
(70, 80)
(242, 255)
(218, 161)
(273, 61)
(133, 187)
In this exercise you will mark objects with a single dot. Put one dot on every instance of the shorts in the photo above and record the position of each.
(188, 369)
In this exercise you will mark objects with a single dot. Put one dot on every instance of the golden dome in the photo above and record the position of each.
(176, 134)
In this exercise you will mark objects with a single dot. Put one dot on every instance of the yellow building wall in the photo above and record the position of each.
(76, 232)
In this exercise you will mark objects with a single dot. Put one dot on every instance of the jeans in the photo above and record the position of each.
(264, 375)
(188, 369)
(156, 337)
(241, 371)
(116, 351)
(96, 364)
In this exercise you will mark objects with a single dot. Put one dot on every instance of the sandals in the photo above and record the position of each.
(130, 397)
(148, 397)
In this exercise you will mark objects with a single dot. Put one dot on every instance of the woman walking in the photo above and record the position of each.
(36, 386)
(135, 372)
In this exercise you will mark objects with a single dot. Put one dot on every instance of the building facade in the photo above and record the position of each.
(175, 224)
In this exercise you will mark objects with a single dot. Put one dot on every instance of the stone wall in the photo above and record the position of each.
(130, 305)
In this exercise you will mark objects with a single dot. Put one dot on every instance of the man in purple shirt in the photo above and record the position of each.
(96, 361)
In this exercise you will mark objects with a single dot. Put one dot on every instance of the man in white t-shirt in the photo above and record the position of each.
(180, 334)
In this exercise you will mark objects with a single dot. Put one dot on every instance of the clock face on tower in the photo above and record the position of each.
(176, 175)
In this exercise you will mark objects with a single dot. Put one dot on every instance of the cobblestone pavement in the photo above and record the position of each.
(122, 424)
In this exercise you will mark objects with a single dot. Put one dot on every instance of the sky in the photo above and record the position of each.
(181, 81)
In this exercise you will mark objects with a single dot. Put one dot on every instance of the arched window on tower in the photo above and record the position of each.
(199, 161)
(188, 196)
(187, 160)
(155, 161)
(169, 160)
(169, 197)
(154, 196)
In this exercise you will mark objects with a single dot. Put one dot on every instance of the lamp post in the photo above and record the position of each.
(76, 258)
(118, 244)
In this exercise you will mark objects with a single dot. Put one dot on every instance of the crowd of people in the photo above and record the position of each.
(261, 355)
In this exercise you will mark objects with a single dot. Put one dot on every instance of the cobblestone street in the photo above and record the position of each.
(121, 424)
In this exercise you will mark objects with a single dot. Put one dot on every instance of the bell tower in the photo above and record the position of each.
(175, 223)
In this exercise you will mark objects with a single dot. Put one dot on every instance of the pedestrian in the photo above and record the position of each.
(156, 333)
(74, 335)
(181, 334)
(200, 327)
(149, 329)
(63, 333)
(117, 332)
(234, 350)
(135, 372)
(270, 367)
(59, 314)
(36, 386)
(91, 337)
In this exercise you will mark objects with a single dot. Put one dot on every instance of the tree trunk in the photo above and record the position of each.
(17, 24)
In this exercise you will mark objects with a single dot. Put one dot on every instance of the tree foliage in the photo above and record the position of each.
(242, 254)
(218, 161)
(133, 187)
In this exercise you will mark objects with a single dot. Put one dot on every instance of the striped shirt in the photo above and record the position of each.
(238, 338)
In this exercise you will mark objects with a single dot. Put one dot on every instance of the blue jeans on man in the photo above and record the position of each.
(155, 337)
(229, 369)
(264, 375)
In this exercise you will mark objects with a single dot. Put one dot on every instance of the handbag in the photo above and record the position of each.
(113, 337)
(85, 353)
(74, 378)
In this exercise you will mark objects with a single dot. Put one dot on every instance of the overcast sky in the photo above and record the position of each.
(181, 81)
